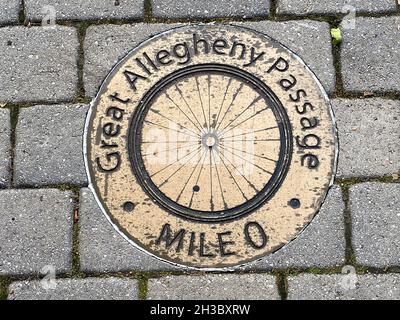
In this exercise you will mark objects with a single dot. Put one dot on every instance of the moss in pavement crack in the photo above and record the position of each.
(4, 283)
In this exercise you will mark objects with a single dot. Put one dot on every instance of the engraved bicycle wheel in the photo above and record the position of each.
(210, 142)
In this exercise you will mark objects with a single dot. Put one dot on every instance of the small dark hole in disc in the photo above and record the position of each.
(196, 188)
(129, 206)
(294, 203)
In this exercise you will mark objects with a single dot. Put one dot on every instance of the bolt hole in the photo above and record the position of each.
(294, 203)
(128, 206)
(196, 189)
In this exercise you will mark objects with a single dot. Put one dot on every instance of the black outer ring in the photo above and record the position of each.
(143, 178)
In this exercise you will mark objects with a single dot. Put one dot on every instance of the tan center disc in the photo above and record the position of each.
(210, 141)
(210, 146)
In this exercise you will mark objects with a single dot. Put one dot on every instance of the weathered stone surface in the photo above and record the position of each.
(103, 249)
(369, 55)
(49, 145)
(76, 289)
(9, 11)
(375, 212)
(105, 45)
(38, 64)
(36, 231)
(217, 286)
(369, 137)
(310, 40)
(344, 287)
(308, 7)
(322, 244)
(37, 10)
(5, 147)
(210, 9)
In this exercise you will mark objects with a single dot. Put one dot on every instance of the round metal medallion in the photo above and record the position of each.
(210, 146)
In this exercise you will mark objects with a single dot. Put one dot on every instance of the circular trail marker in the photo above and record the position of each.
(210, 146)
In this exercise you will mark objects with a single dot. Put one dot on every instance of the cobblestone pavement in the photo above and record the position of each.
(50, 223)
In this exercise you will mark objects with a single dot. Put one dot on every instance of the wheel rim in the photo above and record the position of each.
(230, 148)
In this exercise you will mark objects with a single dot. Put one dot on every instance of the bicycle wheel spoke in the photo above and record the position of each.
(252, 163)
(244, 110)
(172, 163)
(197, 181)
(233, 178)
(178, 124)
(230, 105)
(190, 176)
(249, 118)
(211, 184)
(180, 168)
(246, 133)
(251, 140)
(190, 109)
(168, 142)
(242, 175)
(209, 101)
(222, 103)
(176, 105)
(219, 183)
(252, 154)
(173, 149)
(201, 102)
(164, 127)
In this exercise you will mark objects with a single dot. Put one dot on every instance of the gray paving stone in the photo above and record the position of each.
(210, 9)
(342, 287)
(5, 147)
(76, 289)
(322, 244)
(9, 11)
(311, 40)
(36, 231)
(369, 137)
(217, 286)
(102, 249)
(375, 212)
(370, 54)
(105, 45)
(309, 7)
(38, 64)
(49, 145)
(37, 10)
